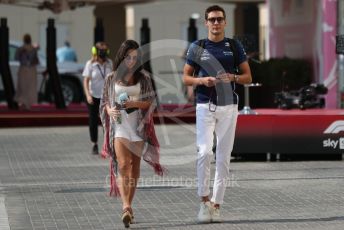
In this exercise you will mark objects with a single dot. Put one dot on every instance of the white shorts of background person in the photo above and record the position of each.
(223, 121)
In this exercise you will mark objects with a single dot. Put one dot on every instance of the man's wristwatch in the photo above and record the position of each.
(236, 78)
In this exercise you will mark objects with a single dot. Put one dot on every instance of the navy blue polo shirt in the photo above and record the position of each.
(216, 58)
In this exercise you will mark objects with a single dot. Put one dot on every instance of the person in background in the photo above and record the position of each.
(95, 71)
(216, 106)
(126, 109)
(66, 53)
(26, 94)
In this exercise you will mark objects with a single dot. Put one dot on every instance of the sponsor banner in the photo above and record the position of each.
(290, 134)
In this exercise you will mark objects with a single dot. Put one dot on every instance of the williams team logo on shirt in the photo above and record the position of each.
(205, 55)
(228, 53)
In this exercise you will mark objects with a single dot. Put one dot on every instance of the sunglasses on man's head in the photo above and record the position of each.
(214, 19)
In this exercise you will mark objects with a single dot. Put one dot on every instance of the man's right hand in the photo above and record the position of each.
(208, 81)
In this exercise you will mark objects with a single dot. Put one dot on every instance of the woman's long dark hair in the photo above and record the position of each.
(119, 65)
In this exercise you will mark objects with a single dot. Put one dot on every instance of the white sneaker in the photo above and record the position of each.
(216, 217)
(204, 215)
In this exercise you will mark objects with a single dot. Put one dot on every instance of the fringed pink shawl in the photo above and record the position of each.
(145, 130)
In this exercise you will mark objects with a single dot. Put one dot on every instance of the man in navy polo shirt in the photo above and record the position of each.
(217, 106)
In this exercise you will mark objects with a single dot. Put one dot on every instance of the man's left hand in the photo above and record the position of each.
(226, 77)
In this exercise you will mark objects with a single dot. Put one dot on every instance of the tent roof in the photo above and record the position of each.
(58, 6)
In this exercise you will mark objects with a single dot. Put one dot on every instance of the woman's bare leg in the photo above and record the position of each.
(136, 149)
(123, 156)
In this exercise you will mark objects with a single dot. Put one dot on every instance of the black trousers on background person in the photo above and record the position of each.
(93, 119)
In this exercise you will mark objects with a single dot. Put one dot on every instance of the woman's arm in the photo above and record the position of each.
(105, 104)
(137, 104)
(87, 90)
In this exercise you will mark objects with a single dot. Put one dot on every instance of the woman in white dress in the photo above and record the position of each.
(126, 110)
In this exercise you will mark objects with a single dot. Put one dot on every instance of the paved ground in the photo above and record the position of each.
(49, 180)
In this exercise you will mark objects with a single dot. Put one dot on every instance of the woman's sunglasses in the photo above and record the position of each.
(129, 58)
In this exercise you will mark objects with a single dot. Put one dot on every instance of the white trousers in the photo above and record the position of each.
(223, 122)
